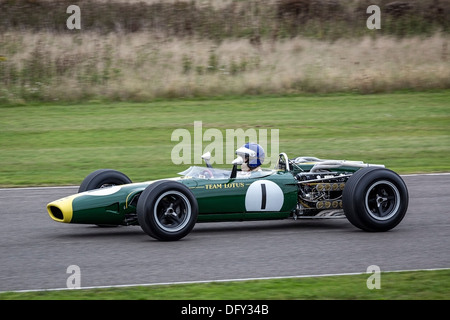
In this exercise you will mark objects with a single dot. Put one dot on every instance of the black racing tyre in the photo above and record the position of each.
(375, 199)
(167, 210)
(103, 178)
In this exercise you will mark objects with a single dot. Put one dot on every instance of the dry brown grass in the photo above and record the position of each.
(142, 66)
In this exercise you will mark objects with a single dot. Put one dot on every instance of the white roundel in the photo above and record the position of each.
(264, 195)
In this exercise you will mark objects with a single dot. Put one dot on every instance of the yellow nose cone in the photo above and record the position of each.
(61, 210)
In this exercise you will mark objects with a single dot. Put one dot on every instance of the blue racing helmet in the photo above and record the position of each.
(252, 153)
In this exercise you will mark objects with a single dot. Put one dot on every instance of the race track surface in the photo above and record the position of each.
(36, 251)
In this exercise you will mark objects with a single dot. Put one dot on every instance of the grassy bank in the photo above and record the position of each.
(413, 285)
(49, 67)
(60, 144)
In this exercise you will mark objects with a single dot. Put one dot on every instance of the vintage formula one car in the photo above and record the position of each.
(370, 196)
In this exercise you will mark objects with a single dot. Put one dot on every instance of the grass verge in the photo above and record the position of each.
(408, 285)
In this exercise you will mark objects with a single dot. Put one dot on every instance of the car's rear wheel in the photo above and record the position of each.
(167, 210)
(375, 199)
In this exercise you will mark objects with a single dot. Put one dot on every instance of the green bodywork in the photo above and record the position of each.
(219, 199)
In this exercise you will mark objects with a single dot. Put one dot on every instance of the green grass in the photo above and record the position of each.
(408, 285)
(55, 144)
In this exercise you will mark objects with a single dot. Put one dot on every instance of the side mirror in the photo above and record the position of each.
(207, 156)
(236, 162)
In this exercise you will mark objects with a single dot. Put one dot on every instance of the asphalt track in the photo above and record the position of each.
(35, 251)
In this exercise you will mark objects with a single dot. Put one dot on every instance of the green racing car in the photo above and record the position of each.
(370, 196)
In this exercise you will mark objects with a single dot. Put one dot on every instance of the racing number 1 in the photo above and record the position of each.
(263, 196)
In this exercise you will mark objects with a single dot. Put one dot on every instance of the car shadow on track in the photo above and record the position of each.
(306, 225)
(281, 225)
(91, 231)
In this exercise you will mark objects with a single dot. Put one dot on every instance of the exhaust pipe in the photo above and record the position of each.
(332, 164)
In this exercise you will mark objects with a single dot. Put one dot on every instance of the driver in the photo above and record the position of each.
(253, 155)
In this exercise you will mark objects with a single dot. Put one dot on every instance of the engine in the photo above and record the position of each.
(320, 191)
(320, 183)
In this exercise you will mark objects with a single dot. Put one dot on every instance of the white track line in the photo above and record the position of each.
(39, 188)
(426, 174)
(221, 280)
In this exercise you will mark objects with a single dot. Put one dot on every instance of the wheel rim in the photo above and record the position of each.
(382, 200)
(172, 211)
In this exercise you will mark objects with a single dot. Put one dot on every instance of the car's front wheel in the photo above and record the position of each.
(167, 210)
(375, 199)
